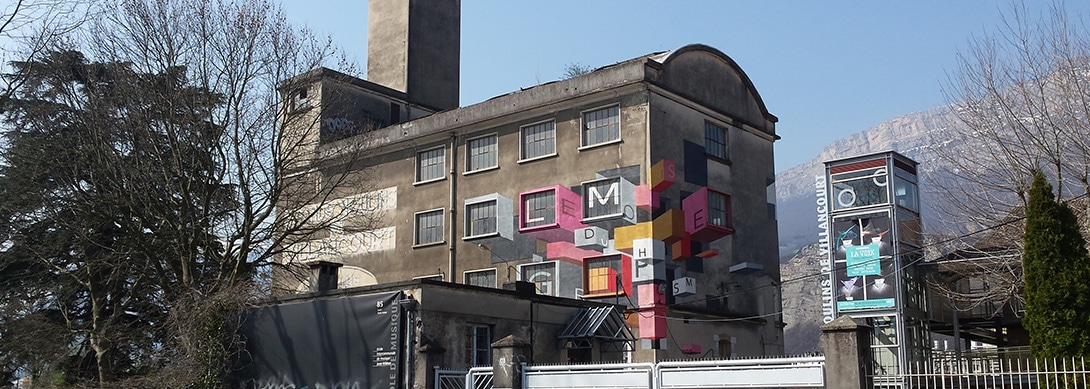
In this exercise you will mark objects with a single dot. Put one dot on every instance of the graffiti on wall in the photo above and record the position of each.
(340, 217)
(616, 235)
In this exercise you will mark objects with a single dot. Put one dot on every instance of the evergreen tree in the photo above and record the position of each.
(108, 201)
(1057, 276)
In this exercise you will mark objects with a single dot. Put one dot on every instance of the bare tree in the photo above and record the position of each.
(29, 27)
(235, 185)
(1022, 97)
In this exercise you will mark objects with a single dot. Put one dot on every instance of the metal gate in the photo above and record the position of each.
(796, 372)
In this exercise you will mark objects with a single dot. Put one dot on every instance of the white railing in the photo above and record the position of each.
(998, 373)
(450, 379)
(479, 378)
(600, 376)
(793, 372)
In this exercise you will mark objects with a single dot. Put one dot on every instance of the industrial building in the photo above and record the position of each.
(647, 184)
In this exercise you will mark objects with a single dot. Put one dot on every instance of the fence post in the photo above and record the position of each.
(847, 353)
(508, 355)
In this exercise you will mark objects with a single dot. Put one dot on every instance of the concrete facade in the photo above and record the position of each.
(647, 211)
(433, 316)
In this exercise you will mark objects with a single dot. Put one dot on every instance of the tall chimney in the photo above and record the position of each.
(323, 276)
(413, 46)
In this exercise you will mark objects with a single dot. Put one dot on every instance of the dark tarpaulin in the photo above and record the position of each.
(346, 342)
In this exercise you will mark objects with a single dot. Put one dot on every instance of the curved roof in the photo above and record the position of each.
(666, 57)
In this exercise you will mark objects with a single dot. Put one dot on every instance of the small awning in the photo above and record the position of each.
(605, 324)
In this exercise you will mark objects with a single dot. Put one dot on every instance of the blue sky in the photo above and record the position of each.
(827, 69)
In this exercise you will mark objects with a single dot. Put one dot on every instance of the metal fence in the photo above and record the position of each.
(450, 379)
(1003, 369)
(994, 369)
(795, 372)
(479, 378)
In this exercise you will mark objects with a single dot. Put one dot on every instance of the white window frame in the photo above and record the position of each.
(588, 199)
(724, 147)
(495, 220)
(495, 276)
(522, 141)
(583, 127)
(442, 168)
(556, 277)
(470, 155)
(524, 212)
(416, 228)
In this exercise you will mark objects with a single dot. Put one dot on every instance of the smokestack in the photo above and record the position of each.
(414, 46)
(323, 276)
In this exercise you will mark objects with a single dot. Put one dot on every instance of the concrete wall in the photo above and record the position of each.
(663, 108)
(414, 47)
(444, 314)
(745, 175)
(569, 168)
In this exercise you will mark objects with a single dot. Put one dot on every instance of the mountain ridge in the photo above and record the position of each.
(912, 135)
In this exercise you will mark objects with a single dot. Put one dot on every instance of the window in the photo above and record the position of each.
(601, 125)
(481, 153)
(538, 140)
(539, 208)
(603, 275)
(485, 278)
(299, 99)
(429, 227)
(543, 275)
(478, 345)
(715, 140)
(603, 198)
(481, 218)
(430, 164)
(718, 209)
(859, 184)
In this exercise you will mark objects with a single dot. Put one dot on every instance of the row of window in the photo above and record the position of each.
(601, 276)
(537, 140)
(539, 209)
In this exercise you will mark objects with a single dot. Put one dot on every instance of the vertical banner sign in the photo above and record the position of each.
(863, 253)
(827, 311)
(349, 342)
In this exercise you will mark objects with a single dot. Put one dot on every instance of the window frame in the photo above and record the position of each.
(442, 168)
(617, 283)
(588, 199)
(472, 356)
(724, 146)
(495, 276)
(524, 212)
(469, 221)
(299, 99)
(583, 141)
(555, 288)
(522, 141)
(416, 228)
(727, 212)
(495, 154)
